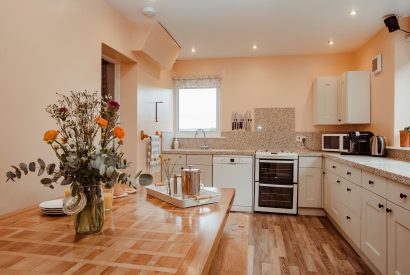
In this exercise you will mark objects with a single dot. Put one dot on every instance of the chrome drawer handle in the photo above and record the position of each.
(371, 182)
(381, 205)
(388, 210)
(403, 196)
(348, 189)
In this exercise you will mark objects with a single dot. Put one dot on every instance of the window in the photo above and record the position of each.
(197, 106)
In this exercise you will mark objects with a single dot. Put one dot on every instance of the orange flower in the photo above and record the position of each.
(102, 122)
(119, 133)
(50, 135)
(63, 140)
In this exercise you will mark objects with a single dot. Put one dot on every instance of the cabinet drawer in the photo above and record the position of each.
(374, 183)
(350, 224)
(351, 196)
(352, 174)
(180, 159)
(332, 166)
(310, 162)
(199, 159)
(399, 194)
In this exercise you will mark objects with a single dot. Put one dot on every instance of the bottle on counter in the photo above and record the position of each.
(176, 143)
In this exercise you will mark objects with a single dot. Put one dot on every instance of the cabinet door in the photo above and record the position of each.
(310, 187)
(354, 98)
(398, 239)
(325, 101)
(374, 229)
(206, 174)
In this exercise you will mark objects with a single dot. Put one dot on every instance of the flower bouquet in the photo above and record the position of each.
(87, 146)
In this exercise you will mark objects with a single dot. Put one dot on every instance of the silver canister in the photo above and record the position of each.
(190, 182)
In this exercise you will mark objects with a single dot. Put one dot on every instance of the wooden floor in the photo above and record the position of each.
(285, 244)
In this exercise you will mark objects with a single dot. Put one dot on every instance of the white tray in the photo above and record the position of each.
(160, 192)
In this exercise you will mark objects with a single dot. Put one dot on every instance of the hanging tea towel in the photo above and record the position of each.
(154, 151)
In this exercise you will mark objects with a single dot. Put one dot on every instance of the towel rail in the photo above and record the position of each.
(144, 135)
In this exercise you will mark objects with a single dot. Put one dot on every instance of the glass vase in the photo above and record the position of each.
(91, 219)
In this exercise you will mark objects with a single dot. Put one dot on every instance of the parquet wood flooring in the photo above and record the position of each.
(284, 244)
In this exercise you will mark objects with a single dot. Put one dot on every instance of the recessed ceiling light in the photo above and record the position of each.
(149, 11)
(330, 42)
(353, 12)
(193, 50)
(254, 47)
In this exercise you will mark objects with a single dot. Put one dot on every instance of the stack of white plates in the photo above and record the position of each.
(53, 207)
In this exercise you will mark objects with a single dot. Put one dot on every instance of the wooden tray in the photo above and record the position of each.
(160, 192)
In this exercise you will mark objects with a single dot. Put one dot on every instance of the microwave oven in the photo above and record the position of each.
(335, 142)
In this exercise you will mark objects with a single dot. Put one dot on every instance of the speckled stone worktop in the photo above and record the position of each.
(210, 152)
(392, 169)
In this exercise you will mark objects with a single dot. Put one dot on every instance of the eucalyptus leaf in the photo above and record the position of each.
(102, 169)
(46, 181)
(17, 172)
(10, 176)
(41, 163)
(40, 171)
(110, 171)
(23, 168)
(67, 181)
(32, 166)
(50, 168)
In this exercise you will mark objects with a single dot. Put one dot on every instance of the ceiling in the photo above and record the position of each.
(230, 28)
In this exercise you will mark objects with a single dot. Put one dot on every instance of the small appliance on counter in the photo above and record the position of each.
(333, 142)
(359, 143)
(378, 146)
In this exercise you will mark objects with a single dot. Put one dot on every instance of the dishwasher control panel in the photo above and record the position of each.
(232, 159)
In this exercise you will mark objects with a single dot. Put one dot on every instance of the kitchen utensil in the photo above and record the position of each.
(378, 146)
(190, 181)
(145, 179)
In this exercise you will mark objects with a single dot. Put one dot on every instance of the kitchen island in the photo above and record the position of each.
(141, 234)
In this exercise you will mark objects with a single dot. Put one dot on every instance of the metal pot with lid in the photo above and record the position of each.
(190, 181)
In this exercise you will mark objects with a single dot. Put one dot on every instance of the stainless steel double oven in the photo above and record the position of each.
(276, 182)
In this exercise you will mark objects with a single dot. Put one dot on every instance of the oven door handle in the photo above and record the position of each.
(276, 185)
(276, 161)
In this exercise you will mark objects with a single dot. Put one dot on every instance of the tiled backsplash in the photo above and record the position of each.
(274, 129)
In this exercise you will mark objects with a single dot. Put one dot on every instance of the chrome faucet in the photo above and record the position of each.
(204, 145)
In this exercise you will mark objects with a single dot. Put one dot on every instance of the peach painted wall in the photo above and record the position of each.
(281, 81)
(50, 46)
(151, 89)
(402, 81)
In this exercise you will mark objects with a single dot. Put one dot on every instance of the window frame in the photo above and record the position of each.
(190, 134)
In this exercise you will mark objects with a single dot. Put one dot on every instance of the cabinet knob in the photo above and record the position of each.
(324, 173)
(340, 120)
(349, 173)
(381, 205)
(403, 196)
(371, 182)
(347, 218)
(388, 210)
(348, 189)
(333, 166)
(338, 181)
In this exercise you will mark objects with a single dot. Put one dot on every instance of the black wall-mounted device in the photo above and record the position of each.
(392, 23)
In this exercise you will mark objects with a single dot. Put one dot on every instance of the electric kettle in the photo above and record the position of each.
(378, 146)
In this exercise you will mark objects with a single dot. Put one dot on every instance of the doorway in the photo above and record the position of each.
(110, 79)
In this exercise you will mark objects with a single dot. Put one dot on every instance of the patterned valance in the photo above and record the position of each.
(197, 82)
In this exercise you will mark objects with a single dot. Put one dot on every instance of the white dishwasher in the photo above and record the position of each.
(235, 172)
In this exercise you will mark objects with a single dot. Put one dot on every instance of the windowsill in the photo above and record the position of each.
(398, 148)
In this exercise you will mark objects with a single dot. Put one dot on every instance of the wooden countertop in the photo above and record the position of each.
(142, 233)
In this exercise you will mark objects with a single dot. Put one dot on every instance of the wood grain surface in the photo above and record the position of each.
(142, 235)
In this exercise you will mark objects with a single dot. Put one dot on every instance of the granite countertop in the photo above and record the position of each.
(389, 168)
(209, 152)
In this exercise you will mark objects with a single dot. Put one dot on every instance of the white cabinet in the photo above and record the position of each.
(335, 197)
(342, 100)
(373, 229)
(310, 182)
(354, 98)
(326, 192)
(203, 163)
(398, 239)
(325, 101)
